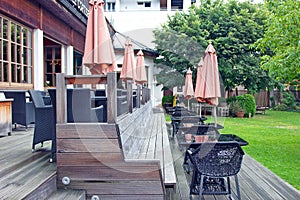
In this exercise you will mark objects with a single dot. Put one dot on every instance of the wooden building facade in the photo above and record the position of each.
(39, 38)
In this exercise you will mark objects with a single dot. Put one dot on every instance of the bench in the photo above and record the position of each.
(91, 156)
(261, 110)
(146, 138)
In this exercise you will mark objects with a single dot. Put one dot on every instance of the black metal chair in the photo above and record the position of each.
(44, 129)
(213, 163)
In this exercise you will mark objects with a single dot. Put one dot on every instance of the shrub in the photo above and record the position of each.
(230, 100)
(248, 102)
(289, 100)
(281, 107)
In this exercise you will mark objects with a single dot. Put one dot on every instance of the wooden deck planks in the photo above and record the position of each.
(68, 195)
(21, 171)
(147, 134)
(155, 146)
(266, 182)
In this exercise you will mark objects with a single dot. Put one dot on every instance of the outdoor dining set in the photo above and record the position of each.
(39, 108)
(210, 157)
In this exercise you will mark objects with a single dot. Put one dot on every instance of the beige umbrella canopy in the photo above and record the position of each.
(188, 87)
(208, 84)
(141, 76)
(99, 54)
(128, 67)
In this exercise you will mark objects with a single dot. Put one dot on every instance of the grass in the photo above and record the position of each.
(274, 141)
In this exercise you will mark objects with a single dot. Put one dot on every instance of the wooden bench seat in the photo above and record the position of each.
(90, 156)
(146, 138)
(261, 110)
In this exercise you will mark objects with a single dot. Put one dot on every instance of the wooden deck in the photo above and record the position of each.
(22, 172)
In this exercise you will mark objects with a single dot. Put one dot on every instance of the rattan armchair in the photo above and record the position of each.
(22, 108)
(213, 163)
(44, 129)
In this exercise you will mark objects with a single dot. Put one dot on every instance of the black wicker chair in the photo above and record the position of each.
(22, 109)
(213, 163)
(79, 106)
(44, 129)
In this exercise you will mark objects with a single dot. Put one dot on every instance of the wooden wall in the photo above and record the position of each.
(49, 16)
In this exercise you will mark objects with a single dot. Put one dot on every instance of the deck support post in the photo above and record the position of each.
(111, 97)
(138, 96)
(129, 96)
(61, 99)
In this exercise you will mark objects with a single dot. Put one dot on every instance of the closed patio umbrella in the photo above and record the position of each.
(188, 87)
(128, 67)
(99, 54)
(208, 84)
(141, 76)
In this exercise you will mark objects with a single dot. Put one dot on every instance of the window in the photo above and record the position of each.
(52, 64)
(77, 63)
(15, 53)
(109, 6)
(145, 3)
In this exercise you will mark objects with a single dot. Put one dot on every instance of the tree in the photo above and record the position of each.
(280, 43)
(232, 27)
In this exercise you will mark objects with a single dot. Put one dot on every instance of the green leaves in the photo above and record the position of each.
(233, 28)
(280, 44)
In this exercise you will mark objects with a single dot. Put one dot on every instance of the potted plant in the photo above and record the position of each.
(237, 109)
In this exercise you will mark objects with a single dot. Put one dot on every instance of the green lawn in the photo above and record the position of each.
(274, 141)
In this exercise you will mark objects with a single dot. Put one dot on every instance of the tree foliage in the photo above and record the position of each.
(281, 41)
(232, 27)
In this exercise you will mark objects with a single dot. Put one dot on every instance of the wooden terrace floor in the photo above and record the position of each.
(256, 182)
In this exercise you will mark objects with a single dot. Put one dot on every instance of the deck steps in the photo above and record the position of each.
(23, 174)
(62, 194)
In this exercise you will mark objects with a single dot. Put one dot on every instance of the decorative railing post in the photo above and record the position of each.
(111, 97)
(144, 95)
(138, 96)
(61, 99)
(129, 96)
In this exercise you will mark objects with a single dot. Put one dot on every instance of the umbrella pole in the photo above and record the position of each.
(215, 115)
(200, 110)
(188, 104)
